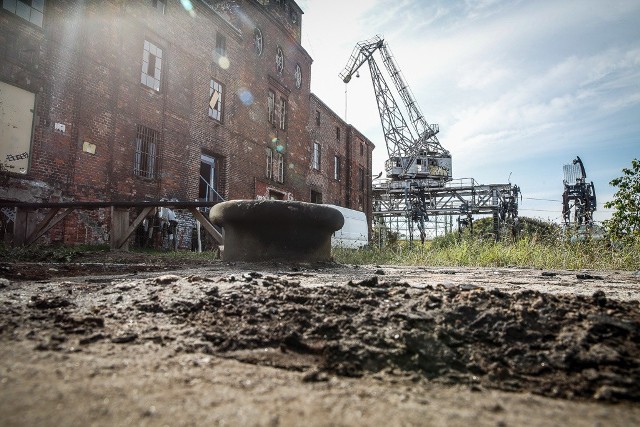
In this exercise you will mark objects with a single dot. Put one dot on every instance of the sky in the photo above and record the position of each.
(518, 88)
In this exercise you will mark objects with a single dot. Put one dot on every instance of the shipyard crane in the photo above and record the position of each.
(418, 189)
(579, 195)
(413, 148)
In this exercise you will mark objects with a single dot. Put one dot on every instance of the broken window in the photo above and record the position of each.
(208, 185)
(151, 66)
(316, 156)
(278, 167)
(275, 165)
(279, 60)
(298, 76)
(283, 113)
(272, 107)
(215, 100)
(337, 166)
(29, 10)
(258, 41)
(146, 152)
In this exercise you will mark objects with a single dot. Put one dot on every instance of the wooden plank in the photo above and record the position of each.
(47, 224)
(134, 225)
(207, 225)
(119, 226)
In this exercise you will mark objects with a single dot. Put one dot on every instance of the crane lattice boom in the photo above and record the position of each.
(413, 148)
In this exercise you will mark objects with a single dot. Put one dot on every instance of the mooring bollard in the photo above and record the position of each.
(265, 230)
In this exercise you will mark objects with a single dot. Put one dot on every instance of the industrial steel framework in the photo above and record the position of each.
(418, 190)
(579, 196)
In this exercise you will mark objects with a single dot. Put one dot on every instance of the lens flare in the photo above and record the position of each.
(246, 97)
(224, 62)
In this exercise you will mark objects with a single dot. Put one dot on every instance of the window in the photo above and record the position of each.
(317, 117)
(258, 41)
(146, 152)
(283, 113)
(208, 185)
(279, 60)
(151, 66)
(298, 76)
(361, 178)
(294, 16)
(316, 197)
(275, 165)
(361, 149)
(159, 4)
(337, 166)
(29, 10)
(221, 44)
(278, 167)
(337, 133)
(272, 107)
(316, 156)
(215, 100)
(16, 121)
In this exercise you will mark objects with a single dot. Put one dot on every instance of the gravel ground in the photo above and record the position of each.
(153, 343)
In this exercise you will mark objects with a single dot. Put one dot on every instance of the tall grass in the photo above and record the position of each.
(527, 252)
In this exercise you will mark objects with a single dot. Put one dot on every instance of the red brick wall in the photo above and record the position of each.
(86, 75)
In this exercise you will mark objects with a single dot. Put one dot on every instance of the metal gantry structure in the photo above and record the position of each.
(579, 196)
(418, 193)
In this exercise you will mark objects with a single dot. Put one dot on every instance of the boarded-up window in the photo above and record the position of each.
(16, 123)
(215, 100)
(146, 154)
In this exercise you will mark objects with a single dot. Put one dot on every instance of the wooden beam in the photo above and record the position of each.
(132, 228)
(47, 224)
(119, 226)
(207, 225)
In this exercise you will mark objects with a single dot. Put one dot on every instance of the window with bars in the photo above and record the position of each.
(216, 93)
(337, 166)
(146, 152)
(272, 107)
(151, 66)
(283, 113)
(316, 156)
(29, 10)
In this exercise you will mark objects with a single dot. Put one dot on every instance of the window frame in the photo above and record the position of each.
(283, 113)
(337, 168)
(212, 111)
(39, 22)
(279, 60)
(146, 152)
(316, 158)
(271, 107)
(258, 41)
(149, 51)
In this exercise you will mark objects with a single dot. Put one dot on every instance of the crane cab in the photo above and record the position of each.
(425, 166)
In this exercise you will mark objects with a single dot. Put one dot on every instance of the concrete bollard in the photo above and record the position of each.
(266, 230)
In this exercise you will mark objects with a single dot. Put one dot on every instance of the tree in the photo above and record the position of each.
(625, 221)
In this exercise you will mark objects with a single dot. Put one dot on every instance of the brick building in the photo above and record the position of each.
(152, 99)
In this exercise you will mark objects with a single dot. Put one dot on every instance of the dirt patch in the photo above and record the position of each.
(572, 337)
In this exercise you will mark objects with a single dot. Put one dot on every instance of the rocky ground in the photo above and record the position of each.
(129, 340)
